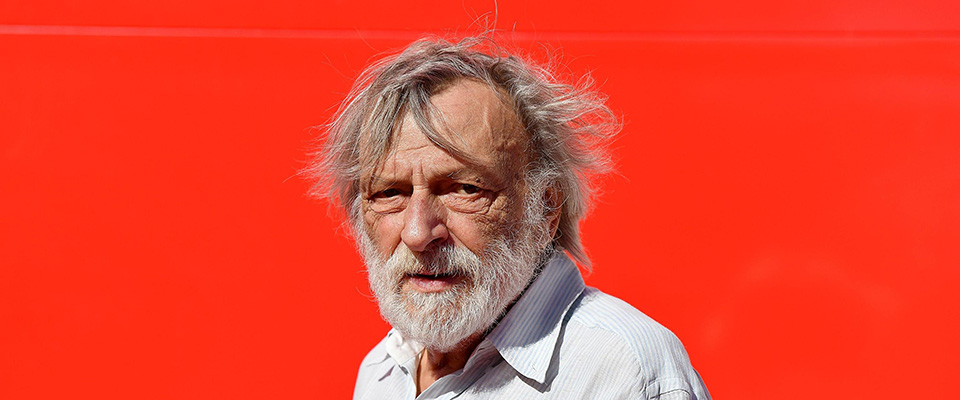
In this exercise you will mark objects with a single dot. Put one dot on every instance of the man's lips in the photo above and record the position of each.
(431, 283)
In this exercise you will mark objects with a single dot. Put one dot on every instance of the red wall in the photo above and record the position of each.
(788, 195)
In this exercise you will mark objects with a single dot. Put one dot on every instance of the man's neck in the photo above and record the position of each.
(436, 364)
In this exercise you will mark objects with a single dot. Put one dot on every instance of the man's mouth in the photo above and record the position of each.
(430, 283)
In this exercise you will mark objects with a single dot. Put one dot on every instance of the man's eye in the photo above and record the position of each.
(466, 188)
(386, 194)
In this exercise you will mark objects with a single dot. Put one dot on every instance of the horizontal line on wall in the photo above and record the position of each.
(367, 34)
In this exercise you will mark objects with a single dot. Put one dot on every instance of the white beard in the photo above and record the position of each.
(490, 282)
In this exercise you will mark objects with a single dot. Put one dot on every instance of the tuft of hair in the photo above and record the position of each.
(568, 123)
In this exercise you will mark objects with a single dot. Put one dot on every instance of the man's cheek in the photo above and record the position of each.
(384, 234)
(474, 231)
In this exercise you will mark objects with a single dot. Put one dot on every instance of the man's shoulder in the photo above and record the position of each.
(598, 310)
(373, 360)
(372, 368)
(377, 354)
(606, 324)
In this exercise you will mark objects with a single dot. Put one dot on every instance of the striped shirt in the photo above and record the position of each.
(560, 340)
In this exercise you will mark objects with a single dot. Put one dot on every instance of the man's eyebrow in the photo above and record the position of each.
(467, 173)
(476, 175)
(379, 181)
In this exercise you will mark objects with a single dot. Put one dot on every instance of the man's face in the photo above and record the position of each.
(449, 243)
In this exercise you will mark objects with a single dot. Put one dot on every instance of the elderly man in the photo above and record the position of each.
(465, 172)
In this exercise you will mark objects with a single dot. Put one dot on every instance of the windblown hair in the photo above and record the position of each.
(568, 124)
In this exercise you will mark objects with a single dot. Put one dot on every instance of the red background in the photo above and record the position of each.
(788, 195)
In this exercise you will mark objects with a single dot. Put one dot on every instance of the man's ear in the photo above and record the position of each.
(553, 199)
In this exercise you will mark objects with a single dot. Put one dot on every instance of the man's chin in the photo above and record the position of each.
(437, 320)
(442, 341)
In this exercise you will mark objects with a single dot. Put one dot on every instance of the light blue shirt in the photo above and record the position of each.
(561, 340)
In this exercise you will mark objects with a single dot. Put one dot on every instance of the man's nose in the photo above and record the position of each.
(423, 224)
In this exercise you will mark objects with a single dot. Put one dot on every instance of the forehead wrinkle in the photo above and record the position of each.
(496, 130)
(495, 126)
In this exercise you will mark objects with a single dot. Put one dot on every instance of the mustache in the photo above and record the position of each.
(446, 261)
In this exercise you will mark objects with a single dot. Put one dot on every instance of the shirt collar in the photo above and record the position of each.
(403, 351)
(527, 336)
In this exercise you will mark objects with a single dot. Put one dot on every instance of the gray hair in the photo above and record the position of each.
(568, 125)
